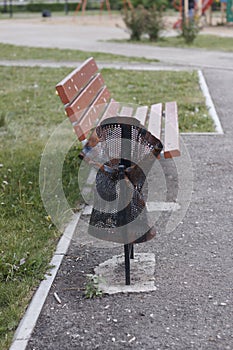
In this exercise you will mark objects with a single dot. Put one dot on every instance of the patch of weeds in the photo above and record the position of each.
(92, 289)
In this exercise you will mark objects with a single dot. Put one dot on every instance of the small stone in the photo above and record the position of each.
(128, 310)
(132, 339)
(57, 298)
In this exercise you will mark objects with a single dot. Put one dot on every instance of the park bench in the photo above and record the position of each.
(95, 117)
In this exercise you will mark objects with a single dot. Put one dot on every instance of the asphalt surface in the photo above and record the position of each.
(87, 35)
(192, 307)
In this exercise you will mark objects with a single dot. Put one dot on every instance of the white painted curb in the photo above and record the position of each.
(28, 322)
(209, 103)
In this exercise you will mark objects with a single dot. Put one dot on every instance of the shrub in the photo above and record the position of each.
(190, 30)
(142, 21)
(154, 22)
(135, 22)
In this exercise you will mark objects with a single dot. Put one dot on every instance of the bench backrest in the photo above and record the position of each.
(87, 102)
(84, 95)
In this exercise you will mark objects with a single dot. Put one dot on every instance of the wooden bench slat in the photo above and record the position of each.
(126, 111)
(92, 116)
(86, 96)
(111, 110)
(155, 120)
(141, 114)
(69, 87)
(171, 139)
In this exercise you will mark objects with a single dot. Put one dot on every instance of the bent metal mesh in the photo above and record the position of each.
(124, 155)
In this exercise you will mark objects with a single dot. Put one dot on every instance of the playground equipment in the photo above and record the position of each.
(83, 4)
(229, 10)
(190, 8)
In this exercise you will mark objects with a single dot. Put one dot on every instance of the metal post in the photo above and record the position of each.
(132, 252)
(66, 6)
(5, 6)
(186, 11)
(121, 218)
(125, 162)
(11, 9)
(127, 264)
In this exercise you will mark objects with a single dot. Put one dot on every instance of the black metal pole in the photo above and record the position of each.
(66, 7)
(5, 6)
(126, 162)
(11, 9)
(127, 264)
(132, 252)
(122, 219)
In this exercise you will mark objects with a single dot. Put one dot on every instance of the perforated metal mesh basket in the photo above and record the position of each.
(128, 150)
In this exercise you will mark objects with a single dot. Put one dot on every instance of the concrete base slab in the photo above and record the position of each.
(112, 271)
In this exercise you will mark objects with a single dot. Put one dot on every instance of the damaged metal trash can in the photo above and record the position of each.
(123, 157)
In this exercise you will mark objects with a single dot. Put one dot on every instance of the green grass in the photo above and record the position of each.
(30, 111)
(202, 41)
(145, 88)
(13, 52)
(208, 42)
(27, 238)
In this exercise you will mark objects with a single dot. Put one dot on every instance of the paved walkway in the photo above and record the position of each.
(192, 306)
(92, 36)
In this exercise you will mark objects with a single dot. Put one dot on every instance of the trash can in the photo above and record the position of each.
(46, 13)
